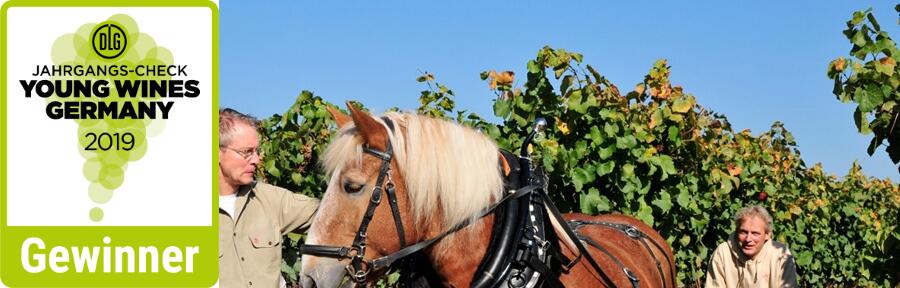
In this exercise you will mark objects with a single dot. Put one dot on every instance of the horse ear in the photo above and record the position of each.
(373, 132)
(339, 117)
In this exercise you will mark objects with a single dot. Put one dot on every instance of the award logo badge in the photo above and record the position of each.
(106, 135)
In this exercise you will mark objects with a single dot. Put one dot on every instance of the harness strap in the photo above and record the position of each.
(359, 241)
(582, 252)
(540, 267)
(388, 260)
(637, 235)
(635, 282)
(662, 277)
(392, 199)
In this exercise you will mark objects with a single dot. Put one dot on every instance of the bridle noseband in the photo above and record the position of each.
(359, 268)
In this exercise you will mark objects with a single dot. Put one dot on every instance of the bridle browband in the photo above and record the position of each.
(359, 268)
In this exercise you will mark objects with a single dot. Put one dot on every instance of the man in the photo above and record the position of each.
(750, 258)
(253, 217)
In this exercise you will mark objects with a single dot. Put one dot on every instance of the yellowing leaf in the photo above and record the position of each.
(839, 64)
(886, 65)
(639, 88)
(492, 80)
(562, 126)
(734, 170)
(505, 77)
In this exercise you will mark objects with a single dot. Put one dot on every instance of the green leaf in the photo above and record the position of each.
(533, 67)
(804, 258)
(576, 103)
(559, 70)
(645, 213)
(667, 165)
(685, 240)
(800, 238)
(684, 198)
(859, 38)
(577, 56)
(296, 178)
(589, 201)
(683, 104)
(596, 136)
(628, 170)
(610, 129)
(605, 168)
(578, 178)
(677, 118)
(656, 119)
(565, 84)
(874, 22)
(502, 108)
(594, 72)
(593, 203)
(857, 17)
(607, 151)
(626, 142)
(862, 122)
(271, 169)
(581, 148)
(664, 202)
(674, 134)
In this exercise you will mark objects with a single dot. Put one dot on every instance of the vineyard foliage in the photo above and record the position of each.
(871, 81)
(651, 151)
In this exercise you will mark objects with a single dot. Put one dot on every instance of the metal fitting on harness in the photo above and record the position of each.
(635, 282)
(632, 232)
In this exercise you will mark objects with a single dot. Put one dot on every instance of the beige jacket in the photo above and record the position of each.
(250, 244)
(772, 267)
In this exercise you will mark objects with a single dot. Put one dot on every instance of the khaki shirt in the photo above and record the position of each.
(772, 267)
(250, 244)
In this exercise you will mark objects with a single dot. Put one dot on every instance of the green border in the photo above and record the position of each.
(205, 269)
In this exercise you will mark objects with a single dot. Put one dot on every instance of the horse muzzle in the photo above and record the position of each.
(321, 272)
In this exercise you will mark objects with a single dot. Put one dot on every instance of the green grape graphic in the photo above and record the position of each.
(108, 145)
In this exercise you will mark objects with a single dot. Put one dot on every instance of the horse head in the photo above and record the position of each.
(440, 174)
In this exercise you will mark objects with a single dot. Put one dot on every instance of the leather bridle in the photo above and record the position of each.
(359, 268)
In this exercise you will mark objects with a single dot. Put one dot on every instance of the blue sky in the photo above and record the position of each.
(754, 61)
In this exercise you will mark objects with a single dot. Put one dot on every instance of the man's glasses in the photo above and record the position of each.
(246, 153)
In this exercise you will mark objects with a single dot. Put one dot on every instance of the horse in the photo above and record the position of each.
(440, 178)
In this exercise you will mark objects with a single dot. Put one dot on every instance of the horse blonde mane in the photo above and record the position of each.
(447, 167)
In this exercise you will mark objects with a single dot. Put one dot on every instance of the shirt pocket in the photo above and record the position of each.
(265, 240)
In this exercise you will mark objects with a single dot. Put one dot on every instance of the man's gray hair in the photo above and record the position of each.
(228, 120)
(755, 210)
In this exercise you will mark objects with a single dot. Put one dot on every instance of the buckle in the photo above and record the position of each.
(358, 276)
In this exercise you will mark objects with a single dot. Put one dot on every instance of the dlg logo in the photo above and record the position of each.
(109, 40)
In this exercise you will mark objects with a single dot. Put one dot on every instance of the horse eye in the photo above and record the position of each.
(351, 187)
